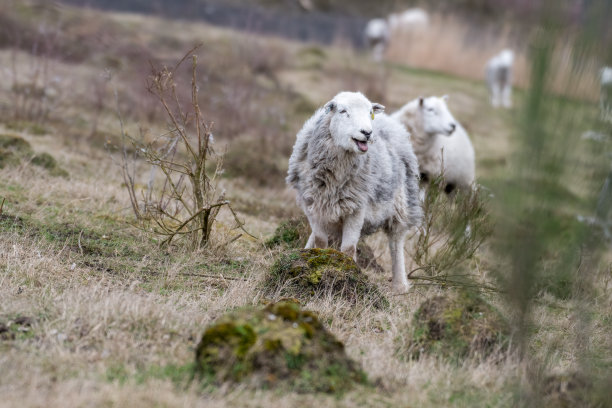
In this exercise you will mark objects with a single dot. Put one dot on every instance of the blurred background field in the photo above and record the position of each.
(93, 312)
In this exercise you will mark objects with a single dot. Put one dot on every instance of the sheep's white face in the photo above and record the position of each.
(351, 121)
(506, 57)
(436, 118)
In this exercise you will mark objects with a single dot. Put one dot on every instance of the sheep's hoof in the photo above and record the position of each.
(401, 288)
(351, 252)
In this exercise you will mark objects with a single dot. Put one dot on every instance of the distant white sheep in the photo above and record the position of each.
(499, 78)
(409, 20)
(438, 139)
(605, 96)
(376, 36)
(356, 173)
(378, 31)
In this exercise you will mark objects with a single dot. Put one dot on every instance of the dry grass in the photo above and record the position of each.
(459, 47)
(117, 326)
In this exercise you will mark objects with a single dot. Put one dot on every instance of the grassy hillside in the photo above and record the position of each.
(95, 312)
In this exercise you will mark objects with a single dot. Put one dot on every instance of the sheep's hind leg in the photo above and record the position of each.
(507, 96)
(396, 247)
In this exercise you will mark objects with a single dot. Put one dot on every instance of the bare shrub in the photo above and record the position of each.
(453, 229)
(189, 200)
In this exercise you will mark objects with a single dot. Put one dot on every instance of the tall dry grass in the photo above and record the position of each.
(458, 46)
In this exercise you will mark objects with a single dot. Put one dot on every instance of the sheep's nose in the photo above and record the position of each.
(453, 127)
(366, 133)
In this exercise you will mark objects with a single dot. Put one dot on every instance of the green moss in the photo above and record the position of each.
(312, 272)
(292, 233)
(46, 161)
(276, 346)
(457, 325)
(14, 150)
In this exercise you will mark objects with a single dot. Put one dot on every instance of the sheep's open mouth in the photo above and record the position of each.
(361, 145)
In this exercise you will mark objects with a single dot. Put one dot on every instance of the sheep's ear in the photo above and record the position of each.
(445, 97)
(421, 101)
(377, 108)
(330, 106)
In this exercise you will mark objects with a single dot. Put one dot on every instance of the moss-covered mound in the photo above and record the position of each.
(305, 273)
(567, 390)
(457, 325)
(279, 345)
(14, 150)
(294, 233)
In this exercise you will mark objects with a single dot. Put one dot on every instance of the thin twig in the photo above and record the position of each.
(80, 247)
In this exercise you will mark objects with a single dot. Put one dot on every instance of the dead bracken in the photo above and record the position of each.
(308, 273)
(457, 325)
(276, 346)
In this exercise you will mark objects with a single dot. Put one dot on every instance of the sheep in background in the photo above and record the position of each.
(499, 78)
(411, 19)
(438, 139)
(376, 36)
(356, 173)
(605, 96)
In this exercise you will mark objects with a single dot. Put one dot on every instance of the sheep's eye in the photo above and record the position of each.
(343, 111)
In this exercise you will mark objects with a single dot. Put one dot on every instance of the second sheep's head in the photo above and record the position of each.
(351, 120)
(435, 117)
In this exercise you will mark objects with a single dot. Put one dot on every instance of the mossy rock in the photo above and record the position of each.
(276, 346)
(316, 272)
(294, 233)
(458, 325)
(14, 149)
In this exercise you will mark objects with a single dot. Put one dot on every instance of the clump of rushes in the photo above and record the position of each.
(453, 229)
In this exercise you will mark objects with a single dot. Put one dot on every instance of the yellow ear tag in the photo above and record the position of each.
(372, 115)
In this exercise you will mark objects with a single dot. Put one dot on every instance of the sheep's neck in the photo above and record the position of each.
(421, 142)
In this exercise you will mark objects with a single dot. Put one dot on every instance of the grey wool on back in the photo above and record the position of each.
(347, 191)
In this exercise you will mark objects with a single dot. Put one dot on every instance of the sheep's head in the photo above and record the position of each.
(506, 57)
(351, 120)
(435, 116)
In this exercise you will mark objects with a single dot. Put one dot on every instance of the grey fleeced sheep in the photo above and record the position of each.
(499, 78)
(356, 173)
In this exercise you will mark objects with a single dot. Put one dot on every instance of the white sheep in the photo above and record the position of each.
(408, 20)
(376, 36)
(356, 173)
(499, 78)
(438, 139)
(605, 96)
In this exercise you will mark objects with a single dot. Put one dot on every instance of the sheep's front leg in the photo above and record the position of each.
(351, 231)
(318, 237)
(396, 247)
